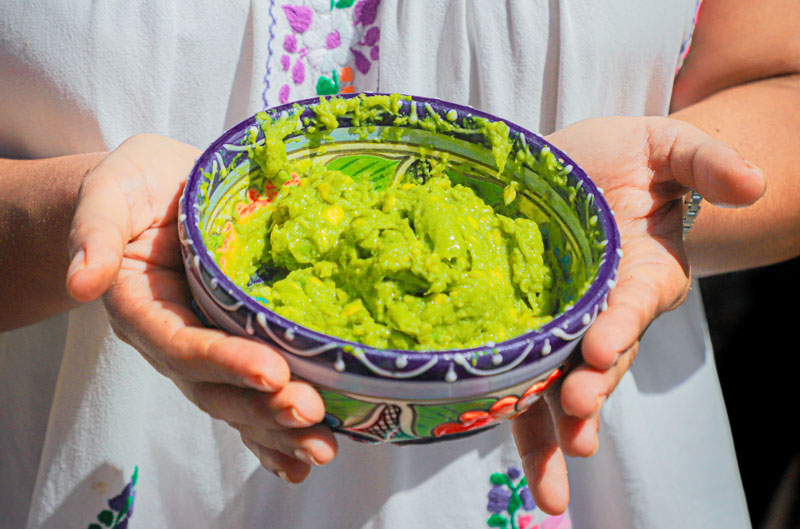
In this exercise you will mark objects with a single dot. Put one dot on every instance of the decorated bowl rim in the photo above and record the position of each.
(579, 315)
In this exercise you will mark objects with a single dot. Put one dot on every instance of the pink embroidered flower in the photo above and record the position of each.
(333, 40)
(283, 94)
(557, 522)
(290, 43)
(299, 17)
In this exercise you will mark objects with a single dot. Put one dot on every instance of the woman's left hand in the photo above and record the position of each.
(645, 166)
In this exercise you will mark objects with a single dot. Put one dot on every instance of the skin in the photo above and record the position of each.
(37, 202)
(123, 245)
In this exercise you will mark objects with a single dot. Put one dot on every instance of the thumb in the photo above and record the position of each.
(713, 168)
(100, 229)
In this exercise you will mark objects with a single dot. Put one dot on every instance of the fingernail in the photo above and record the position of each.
(78, 263)
(290, 418)
(283, 475)
(306, 457)
(259, 383)
(754, 167)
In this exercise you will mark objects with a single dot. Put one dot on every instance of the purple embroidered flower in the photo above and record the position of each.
(333, 40)
(372, 36)
(527, 499)
(362, 63)
(120, 507)
(513, 472)
(290, 43)
(498, 499)
(374, 53)
(299, 17)
(120, 501)
(366, 11)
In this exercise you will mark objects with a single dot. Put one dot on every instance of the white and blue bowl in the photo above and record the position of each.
(399, 396)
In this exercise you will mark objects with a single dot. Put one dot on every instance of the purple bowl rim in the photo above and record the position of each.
(604, 278)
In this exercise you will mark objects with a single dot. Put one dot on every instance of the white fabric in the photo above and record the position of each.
(79, 410)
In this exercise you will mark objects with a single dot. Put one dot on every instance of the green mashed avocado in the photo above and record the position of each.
(422, 264)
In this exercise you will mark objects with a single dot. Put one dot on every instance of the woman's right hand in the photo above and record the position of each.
(124, 246)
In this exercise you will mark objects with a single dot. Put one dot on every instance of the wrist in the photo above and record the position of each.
(38, 199)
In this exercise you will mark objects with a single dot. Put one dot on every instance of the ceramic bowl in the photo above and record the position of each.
(401, 396)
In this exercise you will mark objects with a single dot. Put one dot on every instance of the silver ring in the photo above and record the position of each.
(691, 209)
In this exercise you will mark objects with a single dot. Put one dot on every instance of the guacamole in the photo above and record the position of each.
(421, 264)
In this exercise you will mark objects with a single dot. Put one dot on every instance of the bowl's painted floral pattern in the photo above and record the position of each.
(415, 396)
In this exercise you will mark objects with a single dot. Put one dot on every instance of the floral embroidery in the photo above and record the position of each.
(511, 503)
(120, 507)
(326, 45)
(299, 17)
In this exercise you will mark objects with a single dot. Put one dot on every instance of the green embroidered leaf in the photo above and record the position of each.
(358, 166)
(107, 517)
(328, 87)
(94, 526)
(514, 503)
(499, 478)
(497, 520)
(341, 4)
(522, 483)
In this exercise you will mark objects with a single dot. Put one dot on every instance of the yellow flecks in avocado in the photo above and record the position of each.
(333, 214)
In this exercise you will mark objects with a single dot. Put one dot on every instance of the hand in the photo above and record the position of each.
(124, 244)
(645, 166)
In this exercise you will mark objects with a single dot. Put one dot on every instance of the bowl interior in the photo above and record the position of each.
(383, 148)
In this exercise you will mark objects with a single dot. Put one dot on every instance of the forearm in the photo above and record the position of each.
(759, 120)
(37, 201)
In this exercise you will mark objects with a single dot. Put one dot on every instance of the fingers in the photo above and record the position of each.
(585, 389)
(287, 468)
(133, 188)
(712, 168)
(315, 446)
(542, 459)
(280, 428)
(101, 227)
(651, 281)
(578, 437)
(576, 404)
(202, 354)
(296, 405)
(150, 311)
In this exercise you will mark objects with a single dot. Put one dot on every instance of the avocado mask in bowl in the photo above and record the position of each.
(412, 257)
